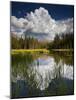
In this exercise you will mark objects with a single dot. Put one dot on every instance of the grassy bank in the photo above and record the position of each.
(16, 51)
(63, 50)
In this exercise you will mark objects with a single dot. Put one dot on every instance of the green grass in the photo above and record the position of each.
(16, 51)
(63, 50)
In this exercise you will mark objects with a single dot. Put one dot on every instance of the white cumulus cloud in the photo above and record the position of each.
(40, 23)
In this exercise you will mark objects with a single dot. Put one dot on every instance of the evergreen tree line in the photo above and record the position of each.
(63, 41)
(26, 43)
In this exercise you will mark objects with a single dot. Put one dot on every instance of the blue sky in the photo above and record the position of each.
(19, 9)
(42, 21)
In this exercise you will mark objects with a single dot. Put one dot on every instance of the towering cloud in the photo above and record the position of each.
(40, 24)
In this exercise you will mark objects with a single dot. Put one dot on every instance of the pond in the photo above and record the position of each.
(35, 75)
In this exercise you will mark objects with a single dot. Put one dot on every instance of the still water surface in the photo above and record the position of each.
(42, 76)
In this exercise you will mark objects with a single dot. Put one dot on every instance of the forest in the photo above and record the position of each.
(61, 41)
(27, 43)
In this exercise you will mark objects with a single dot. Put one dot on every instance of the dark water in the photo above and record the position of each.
(44, 75)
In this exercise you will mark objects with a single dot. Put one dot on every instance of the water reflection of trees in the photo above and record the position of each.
(20, 76)
(25, 78)
(67, 57)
